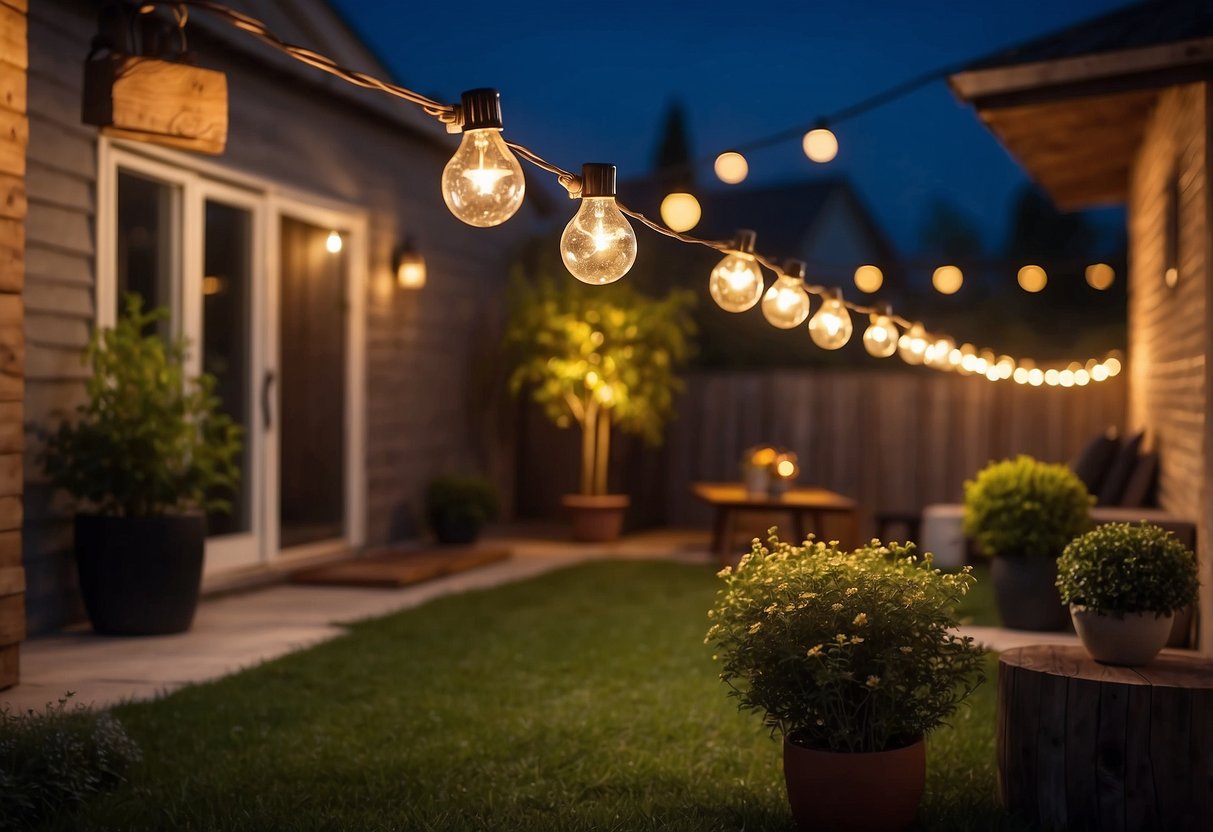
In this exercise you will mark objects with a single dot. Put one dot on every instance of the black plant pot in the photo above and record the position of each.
(1025, 591)
(453, 528)
(140, 576)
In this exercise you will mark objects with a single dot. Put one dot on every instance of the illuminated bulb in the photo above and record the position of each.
(985, 360)
(968, 359)
(1112, 365)
(868, 279)
(1032, 278)
(1082, 377)
(1051, 377)
(1066, 378)
(1020, 375)
(820, 145)
(1171, 277)
(410, 267)
(736, 282)
(680, 211)
(598, 245)
(947, 280)
(937, 353)
(483, 183)
(880, 338)
(1005, 365)
(830, 328)
(992, 373)
(1100, 276)
(333, 243)
(1035, 377)
(1099, 373)
(731, 167)
(955, 359)
(912, 346)
(786, 303)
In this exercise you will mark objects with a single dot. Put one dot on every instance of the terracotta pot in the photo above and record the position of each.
(1025, 592)
(596, 518)
(1131, 641)
(834, 791)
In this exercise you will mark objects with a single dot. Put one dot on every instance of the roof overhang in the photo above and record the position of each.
(1075, 124)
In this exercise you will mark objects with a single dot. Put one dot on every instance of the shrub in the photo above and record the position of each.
(147, 441)
(1120, 568)
(456, 498)
(845, 651)
(1024, 508)
(56, 757)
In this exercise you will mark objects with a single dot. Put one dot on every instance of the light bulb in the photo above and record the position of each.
(1100, 276)
(868, 279)
(912, 345)
(1005, 365)
(680, 211)
(736, 282)
(731, 167)
(786, 303)
(820, 145)
(1036, 377)
(1112, 363)
(830, 328)
(482, 184)
(598, 245)
(410, 267)
(947, 280)
(937, 353)
(333, 243)
(1032, 278)
(968, 359)
(880, 338)
(1020, 375)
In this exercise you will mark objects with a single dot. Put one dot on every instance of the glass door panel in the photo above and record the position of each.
(148, 242)
(312, 385)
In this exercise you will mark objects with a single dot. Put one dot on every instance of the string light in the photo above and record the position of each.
(830, 328)
(731, 167)
(1100, 276)
(947, 280)
(483, 183)
(880, 338)
(1032, 278)
(786, 303)
(598, 245)
(680, 211)
(869, 279)
(937, 353)
(736, 283)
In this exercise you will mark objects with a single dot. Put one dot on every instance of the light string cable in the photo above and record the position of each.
(450, 115)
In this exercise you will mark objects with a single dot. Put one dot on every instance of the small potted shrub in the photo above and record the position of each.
(853, 657)
(1022, 513)
(1123, 584)
(457, 508)
(145, 457)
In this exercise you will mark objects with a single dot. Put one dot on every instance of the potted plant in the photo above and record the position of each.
(1123, 583)
(599, 357)
(853, 657)
(1022, 513)
(457, 508)
(147, 454)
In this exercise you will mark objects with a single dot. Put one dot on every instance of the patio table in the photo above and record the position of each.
(817, 505)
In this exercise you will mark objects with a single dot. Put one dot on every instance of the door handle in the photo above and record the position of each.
(267, 387)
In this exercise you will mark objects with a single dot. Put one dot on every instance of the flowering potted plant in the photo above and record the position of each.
(853, 658)
(1022, 513)
(1123, 583)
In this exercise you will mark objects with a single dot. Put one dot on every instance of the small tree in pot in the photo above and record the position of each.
(598, 357)
(1022, 513)
(148, 453)
(1123, 583)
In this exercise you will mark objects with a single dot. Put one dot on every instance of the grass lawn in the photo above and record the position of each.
(584, 699)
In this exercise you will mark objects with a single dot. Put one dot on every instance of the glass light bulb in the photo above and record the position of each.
(820, 145)
(831, 327)
(937, 353)
(680, 211)
(912, 346)
(598, 245)
(786, 303)
(333, 243)
(736, 282)
(483, 183)
(731, 167)
(880, 338)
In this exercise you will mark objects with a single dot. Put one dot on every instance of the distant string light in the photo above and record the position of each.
(731, 167)
(680, 211)
(1100, 276)
(947, 280)
(869, 279)
(483, 186)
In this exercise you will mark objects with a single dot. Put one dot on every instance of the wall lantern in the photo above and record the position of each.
(409, 266)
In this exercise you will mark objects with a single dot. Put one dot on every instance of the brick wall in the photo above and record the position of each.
(14, 134)
(1168, 326)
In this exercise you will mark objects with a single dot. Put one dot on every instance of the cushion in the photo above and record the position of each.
(1139, 490)
(1096, 458)
(1114, 482)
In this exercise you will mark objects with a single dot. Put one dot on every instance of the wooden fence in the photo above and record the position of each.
(895, 441)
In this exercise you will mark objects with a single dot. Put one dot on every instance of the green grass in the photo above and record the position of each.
(978, 606)
(584, 699)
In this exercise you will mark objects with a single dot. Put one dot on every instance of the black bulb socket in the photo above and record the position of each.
(597, 179)
(744, 242)
(481, 109)
(795, 268)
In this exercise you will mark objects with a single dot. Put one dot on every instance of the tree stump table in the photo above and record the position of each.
(1082, 745)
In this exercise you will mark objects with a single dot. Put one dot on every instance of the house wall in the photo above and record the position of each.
(431, 394)
(14, 132)
(1169, 327)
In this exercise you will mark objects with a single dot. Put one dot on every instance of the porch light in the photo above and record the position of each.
(731, 167)
(409, 266)
(333, 244)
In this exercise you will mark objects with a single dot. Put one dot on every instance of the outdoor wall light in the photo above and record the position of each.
(409, 266)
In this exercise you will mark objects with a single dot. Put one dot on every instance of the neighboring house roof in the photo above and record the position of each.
(1072, 106)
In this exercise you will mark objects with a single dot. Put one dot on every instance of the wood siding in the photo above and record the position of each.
(894, 441)
(14, 135)
(1169, 327)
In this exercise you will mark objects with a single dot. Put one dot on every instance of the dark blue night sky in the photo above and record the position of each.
(590, 81)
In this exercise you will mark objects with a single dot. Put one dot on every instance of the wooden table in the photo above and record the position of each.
(1083, 745)
(730, 499)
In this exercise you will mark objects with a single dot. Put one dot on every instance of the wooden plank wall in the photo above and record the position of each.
(894, 440)
(1169, 327)
(14, 136)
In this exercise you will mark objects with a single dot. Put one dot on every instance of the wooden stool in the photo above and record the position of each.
(1083, 745)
